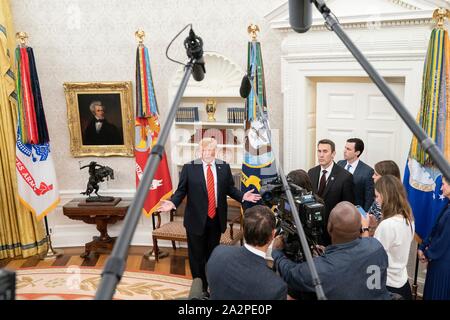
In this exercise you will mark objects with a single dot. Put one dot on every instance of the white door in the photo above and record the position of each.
(347, 110)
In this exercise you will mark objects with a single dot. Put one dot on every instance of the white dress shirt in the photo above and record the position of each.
(98, 125)
(214, 172)
(259, 253)
(353, 166)
(327, 175)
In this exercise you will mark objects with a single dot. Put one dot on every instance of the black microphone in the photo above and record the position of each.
(246, 87)
(198, 71)
(194, 49)
(300, 15)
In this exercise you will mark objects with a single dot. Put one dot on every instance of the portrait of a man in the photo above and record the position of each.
(100, 118)
(100, 131)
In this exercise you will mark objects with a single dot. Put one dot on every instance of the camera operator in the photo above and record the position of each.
(241, 273)
(301, 178)
(350, 268)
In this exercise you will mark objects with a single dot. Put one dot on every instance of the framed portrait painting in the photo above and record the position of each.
(100, 118)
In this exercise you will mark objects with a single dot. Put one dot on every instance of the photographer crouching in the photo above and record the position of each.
(351, 268)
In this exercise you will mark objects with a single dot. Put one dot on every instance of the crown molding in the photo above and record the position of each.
(404, 13)
(347, 57)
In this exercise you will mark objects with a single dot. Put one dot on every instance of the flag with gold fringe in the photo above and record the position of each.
(36, 177)
(422, 179)
(147, 129)
(258, 163)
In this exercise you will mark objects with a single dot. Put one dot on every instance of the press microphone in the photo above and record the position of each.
(198, 70)
(246, 87)
(300, 15)
(194, 49)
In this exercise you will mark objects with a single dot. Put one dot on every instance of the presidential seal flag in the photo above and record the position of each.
(147, 129)
(36, 177)
(258, 164)
(422, 179)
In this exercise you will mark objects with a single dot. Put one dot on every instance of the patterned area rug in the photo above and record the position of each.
(80, 283)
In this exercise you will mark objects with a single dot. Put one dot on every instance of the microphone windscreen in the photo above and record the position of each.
(300, 15)
(198, 70)
(245, 88)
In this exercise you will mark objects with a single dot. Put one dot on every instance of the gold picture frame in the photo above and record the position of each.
(100, 118)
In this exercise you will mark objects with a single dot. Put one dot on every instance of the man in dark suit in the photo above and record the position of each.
(330, 182)
(362, 173)
(206, 182)
(99, 131)
(241, 273)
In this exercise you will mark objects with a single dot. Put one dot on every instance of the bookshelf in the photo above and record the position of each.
(221, 83)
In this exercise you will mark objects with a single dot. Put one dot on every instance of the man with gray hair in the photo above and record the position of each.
(99, 131)
(206, 182)
(351, 268)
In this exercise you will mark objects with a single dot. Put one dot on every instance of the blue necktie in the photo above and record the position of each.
(349, 166)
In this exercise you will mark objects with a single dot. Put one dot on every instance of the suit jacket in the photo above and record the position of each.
(235, 273)
(192, 184)
(109, 134)
(363, 184)
(339, 188)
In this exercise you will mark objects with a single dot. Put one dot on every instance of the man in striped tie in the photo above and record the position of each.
(206, 182)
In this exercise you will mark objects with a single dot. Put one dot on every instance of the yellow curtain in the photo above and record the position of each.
(20, 233)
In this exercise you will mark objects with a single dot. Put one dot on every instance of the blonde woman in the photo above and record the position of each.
(395, 232)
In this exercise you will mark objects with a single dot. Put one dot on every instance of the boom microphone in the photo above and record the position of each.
(194, 49)
(198, 71)
(246, 87)
(300, 15)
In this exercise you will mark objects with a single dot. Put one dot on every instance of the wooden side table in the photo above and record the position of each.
(101, 216)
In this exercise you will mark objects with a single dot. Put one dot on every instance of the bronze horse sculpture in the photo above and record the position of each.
(97, 174)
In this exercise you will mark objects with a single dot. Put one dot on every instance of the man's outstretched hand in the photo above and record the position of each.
(166, 205)
(251, 197)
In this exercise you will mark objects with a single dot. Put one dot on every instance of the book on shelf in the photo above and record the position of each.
(187, 114)
(236, 115)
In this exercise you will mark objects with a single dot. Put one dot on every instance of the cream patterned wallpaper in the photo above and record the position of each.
(85, 40)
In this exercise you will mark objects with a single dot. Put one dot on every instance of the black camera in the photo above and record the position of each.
(311, 214)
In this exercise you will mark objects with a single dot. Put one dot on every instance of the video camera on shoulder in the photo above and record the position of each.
(311, 213)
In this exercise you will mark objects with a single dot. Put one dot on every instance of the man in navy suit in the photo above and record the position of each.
(362, 173)
(241, 273)
(330, 182)
(206, 182)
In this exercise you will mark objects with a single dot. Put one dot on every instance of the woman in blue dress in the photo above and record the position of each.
(436, 252)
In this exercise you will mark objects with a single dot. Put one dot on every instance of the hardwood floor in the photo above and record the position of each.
(176, 263)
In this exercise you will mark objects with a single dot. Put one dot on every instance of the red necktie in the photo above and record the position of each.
(323, 183)
(211, 193)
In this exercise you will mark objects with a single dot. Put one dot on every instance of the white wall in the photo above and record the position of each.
(84, 40)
